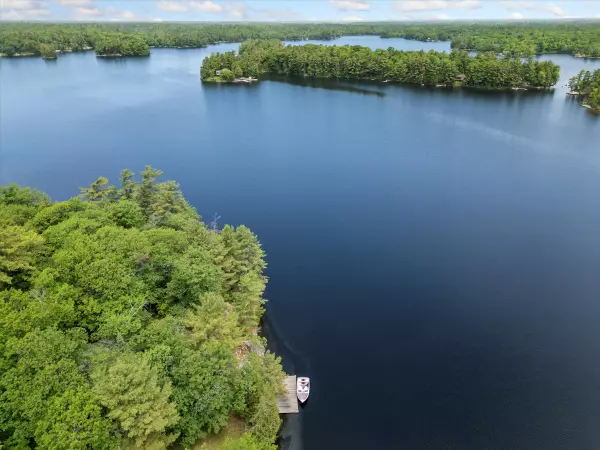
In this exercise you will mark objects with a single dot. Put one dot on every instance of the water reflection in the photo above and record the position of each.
(123, 61)
(331, 85)
(225, 86)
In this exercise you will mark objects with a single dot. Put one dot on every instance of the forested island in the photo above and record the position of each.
(577, 38)
(128, 323)
(587, 85)
(258, 58)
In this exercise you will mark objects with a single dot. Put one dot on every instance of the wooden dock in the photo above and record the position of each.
(288, 402)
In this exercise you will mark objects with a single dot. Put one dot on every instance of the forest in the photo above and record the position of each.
(580, 38)
(126, 322)
(513, 39)
(257, 58)
(587, 84)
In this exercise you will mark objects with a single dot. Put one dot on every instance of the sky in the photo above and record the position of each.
(296, 10)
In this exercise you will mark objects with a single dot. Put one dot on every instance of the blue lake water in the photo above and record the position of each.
(434, 255)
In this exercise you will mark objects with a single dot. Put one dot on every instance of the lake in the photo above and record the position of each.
(433, 255)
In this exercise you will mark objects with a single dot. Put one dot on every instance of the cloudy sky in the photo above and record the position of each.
(295, 10)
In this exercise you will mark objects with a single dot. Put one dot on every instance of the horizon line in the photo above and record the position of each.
(307, 22)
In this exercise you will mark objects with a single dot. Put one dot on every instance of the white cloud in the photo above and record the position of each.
(172, 6)
(351, 5)
(427, 17)
(79, 3)
(10, 15)
(206, 6)
(88, 12)
(113, 13)
(23, 9)
(22, 5)
(280, 15)
(237, 10)
(352, 18)
(37, 12)
(514, 5)
(516, 16)
(435, 5)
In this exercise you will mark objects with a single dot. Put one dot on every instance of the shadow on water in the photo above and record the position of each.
(478, 92)
(578, 100)
(123, 61)
(290, 436)
(331, 85)
(506, 93)
(217, 86)
(366, 87)
(594, 112)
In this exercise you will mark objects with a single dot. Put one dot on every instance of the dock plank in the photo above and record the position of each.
(288, 402)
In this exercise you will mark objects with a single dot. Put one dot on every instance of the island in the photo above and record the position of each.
(586, 85)
(257, 58)
(521, 39)
(128, 322)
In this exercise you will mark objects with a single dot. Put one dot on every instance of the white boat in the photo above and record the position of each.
(302, 388)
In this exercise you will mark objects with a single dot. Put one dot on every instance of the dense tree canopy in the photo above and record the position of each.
(121, 44)
(257, 58)
(587, 84)
(47, 51)
(126, 323)
(513, 39)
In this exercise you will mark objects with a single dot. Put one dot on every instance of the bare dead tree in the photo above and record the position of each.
(214, 223)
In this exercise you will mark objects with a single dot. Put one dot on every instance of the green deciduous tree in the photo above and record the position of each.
(16, 195)
(19, 249)
(47, 51)
(127, 214)
(74, 420)
(35, 369)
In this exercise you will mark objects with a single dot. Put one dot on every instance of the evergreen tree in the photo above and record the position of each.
(128, 184)
(129, 389)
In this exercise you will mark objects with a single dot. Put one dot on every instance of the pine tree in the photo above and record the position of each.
(129, 389)
(148, 188)
(128, 184)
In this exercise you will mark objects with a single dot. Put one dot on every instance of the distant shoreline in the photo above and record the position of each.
(26, 55)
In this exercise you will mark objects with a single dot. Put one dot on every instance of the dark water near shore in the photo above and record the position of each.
(434, 256)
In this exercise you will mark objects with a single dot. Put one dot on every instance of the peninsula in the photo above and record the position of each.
(586, 84)
(127, 322)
